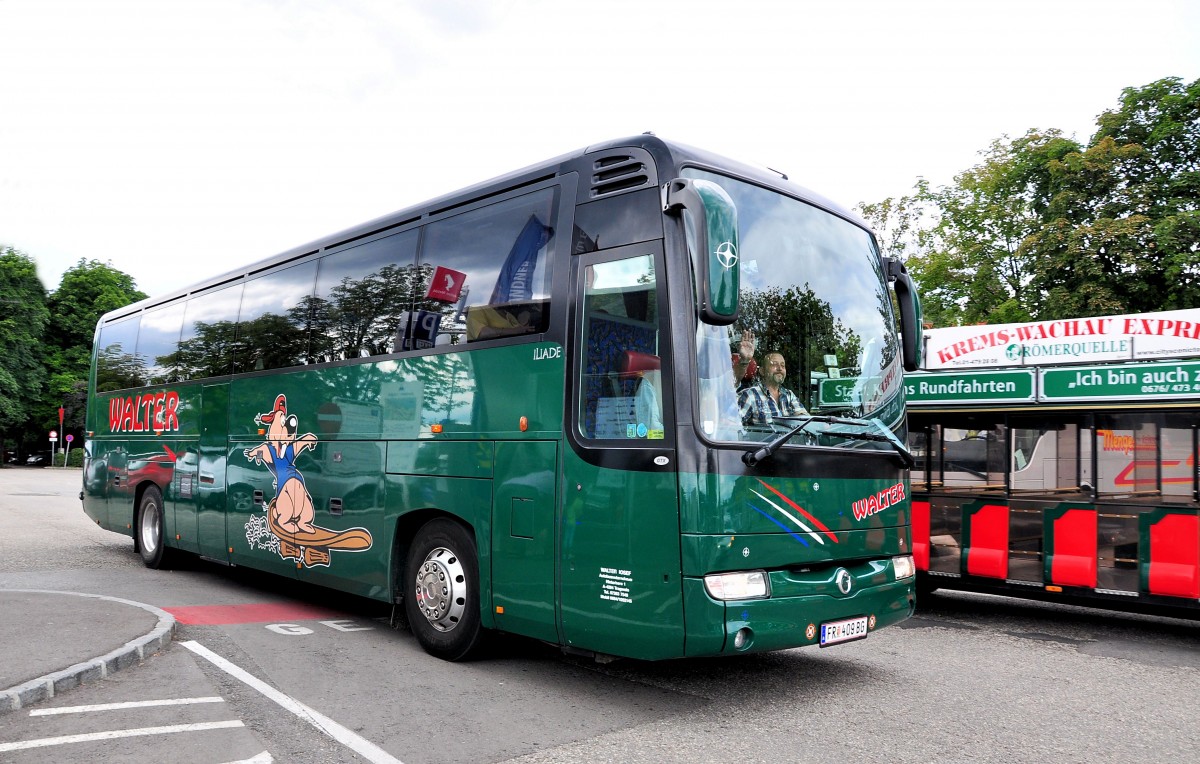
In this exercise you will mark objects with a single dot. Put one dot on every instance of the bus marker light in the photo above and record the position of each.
(499, 610)
(261, 431)
(811, 632)
(1054, 589)
(177, 537)
(524, 423)
(871, 622)
(435, 428)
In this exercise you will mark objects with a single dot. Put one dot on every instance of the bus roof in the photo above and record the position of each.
(669, 156)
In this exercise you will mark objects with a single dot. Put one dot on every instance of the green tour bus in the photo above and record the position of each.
(514, 408)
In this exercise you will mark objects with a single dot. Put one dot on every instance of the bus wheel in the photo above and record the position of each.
(441, 600)
(150, 529)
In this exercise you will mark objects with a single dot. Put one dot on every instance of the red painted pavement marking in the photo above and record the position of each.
(254, 612)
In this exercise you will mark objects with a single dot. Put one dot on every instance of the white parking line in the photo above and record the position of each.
(46, 742)
(121, 706)
(346, 737)
(263, 758)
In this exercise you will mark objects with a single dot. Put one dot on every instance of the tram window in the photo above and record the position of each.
(973, 457)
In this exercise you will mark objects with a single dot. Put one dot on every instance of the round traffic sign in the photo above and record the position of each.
(54, 433)
(70, 438)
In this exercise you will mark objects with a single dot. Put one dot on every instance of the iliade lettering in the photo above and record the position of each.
(151, 412)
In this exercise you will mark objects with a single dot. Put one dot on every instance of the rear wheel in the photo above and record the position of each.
(441, 596)
(150, 529)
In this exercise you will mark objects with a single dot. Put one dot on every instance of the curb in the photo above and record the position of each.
(133, 651)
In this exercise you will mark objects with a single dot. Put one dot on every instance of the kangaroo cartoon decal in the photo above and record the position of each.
(289, 515)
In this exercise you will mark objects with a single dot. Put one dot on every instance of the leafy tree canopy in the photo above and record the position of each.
(88, 290)
(1046, 227)
(23, 318)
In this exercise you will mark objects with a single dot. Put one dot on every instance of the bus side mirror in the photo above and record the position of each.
(714, 234)
(910, 313)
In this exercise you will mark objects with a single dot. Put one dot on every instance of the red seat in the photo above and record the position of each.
(988, 552)
(635, 363)
(1073, 560)
(1175, 556)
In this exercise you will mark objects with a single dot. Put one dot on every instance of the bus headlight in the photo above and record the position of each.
(904, 566)
(737, 586)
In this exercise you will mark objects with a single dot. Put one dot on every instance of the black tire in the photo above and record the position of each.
(151, 542)
(441, 591)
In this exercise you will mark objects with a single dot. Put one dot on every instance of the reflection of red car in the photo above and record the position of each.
(156, 468)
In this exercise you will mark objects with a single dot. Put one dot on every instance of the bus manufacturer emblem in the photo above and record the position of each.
(844, 581)
(726, 254)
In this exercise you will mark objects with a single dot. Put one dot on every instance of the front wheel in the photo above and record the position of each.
(441, 590)
(150, 529)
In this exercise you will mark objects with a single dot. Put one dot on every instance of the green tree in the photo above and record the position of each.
(1123, 231)
(23, 318)
(1044, 227)
(88, 290)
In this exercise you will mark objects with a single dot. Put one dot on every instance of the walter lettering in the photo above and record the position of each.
(149, 412)
(873, 505)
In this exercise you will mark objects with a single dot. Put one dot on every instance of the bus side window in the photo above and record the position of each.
(361, 294)
(273, 322)
(158, 340)
(206, 343)
(117, 363)
(484, 274)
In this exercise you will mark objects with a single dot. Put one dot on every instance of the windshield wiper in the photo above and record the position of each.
(752, 458)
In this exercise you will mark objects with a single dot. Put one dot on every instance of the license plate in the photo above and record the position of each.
(848, 630)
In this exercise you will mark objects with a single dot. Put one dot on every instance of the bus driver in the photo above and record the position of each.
(767, 398)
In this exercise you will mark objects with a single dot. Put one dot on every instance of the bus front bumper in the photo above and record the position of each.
(778, 623)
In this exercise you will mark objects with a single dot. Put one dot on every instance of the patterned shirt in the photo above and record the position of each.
(758, 407)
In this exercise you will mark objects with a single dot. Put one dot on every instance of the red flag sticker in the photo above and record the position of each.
(446, 284)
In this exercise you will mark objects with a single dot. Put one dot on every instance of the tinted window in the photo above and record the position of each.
(206, 345)
(158, 341)
(117, 363)
(361, 295)
(621, 388)
(484, 274)
(624, 219)
(273, 322)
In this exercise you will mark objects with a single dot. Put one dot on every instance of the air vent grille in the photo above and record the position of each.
(616, 173)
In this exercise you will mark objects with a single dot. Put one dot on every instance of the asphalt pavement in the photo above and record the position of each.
(53, 641)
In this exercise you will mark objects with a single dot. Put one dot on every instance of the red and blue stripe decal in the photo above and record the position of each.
(810, 526)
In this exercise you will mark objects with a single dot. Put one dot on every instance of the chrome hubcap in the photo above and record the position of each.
(441, 589)
(150, 528)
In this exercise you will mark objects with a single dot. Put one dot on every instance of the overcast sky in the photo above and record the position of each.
(176, 140)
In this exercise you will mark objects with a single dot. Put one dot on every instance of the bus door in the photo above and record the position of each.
(209, 507)
(621, 589)
(523, 513)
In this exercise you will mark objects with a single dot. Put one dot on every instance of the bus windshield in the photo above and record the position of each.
(814, 335)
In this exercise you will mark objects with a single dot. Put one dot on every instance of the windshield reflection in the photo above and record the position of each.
(816, 320)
